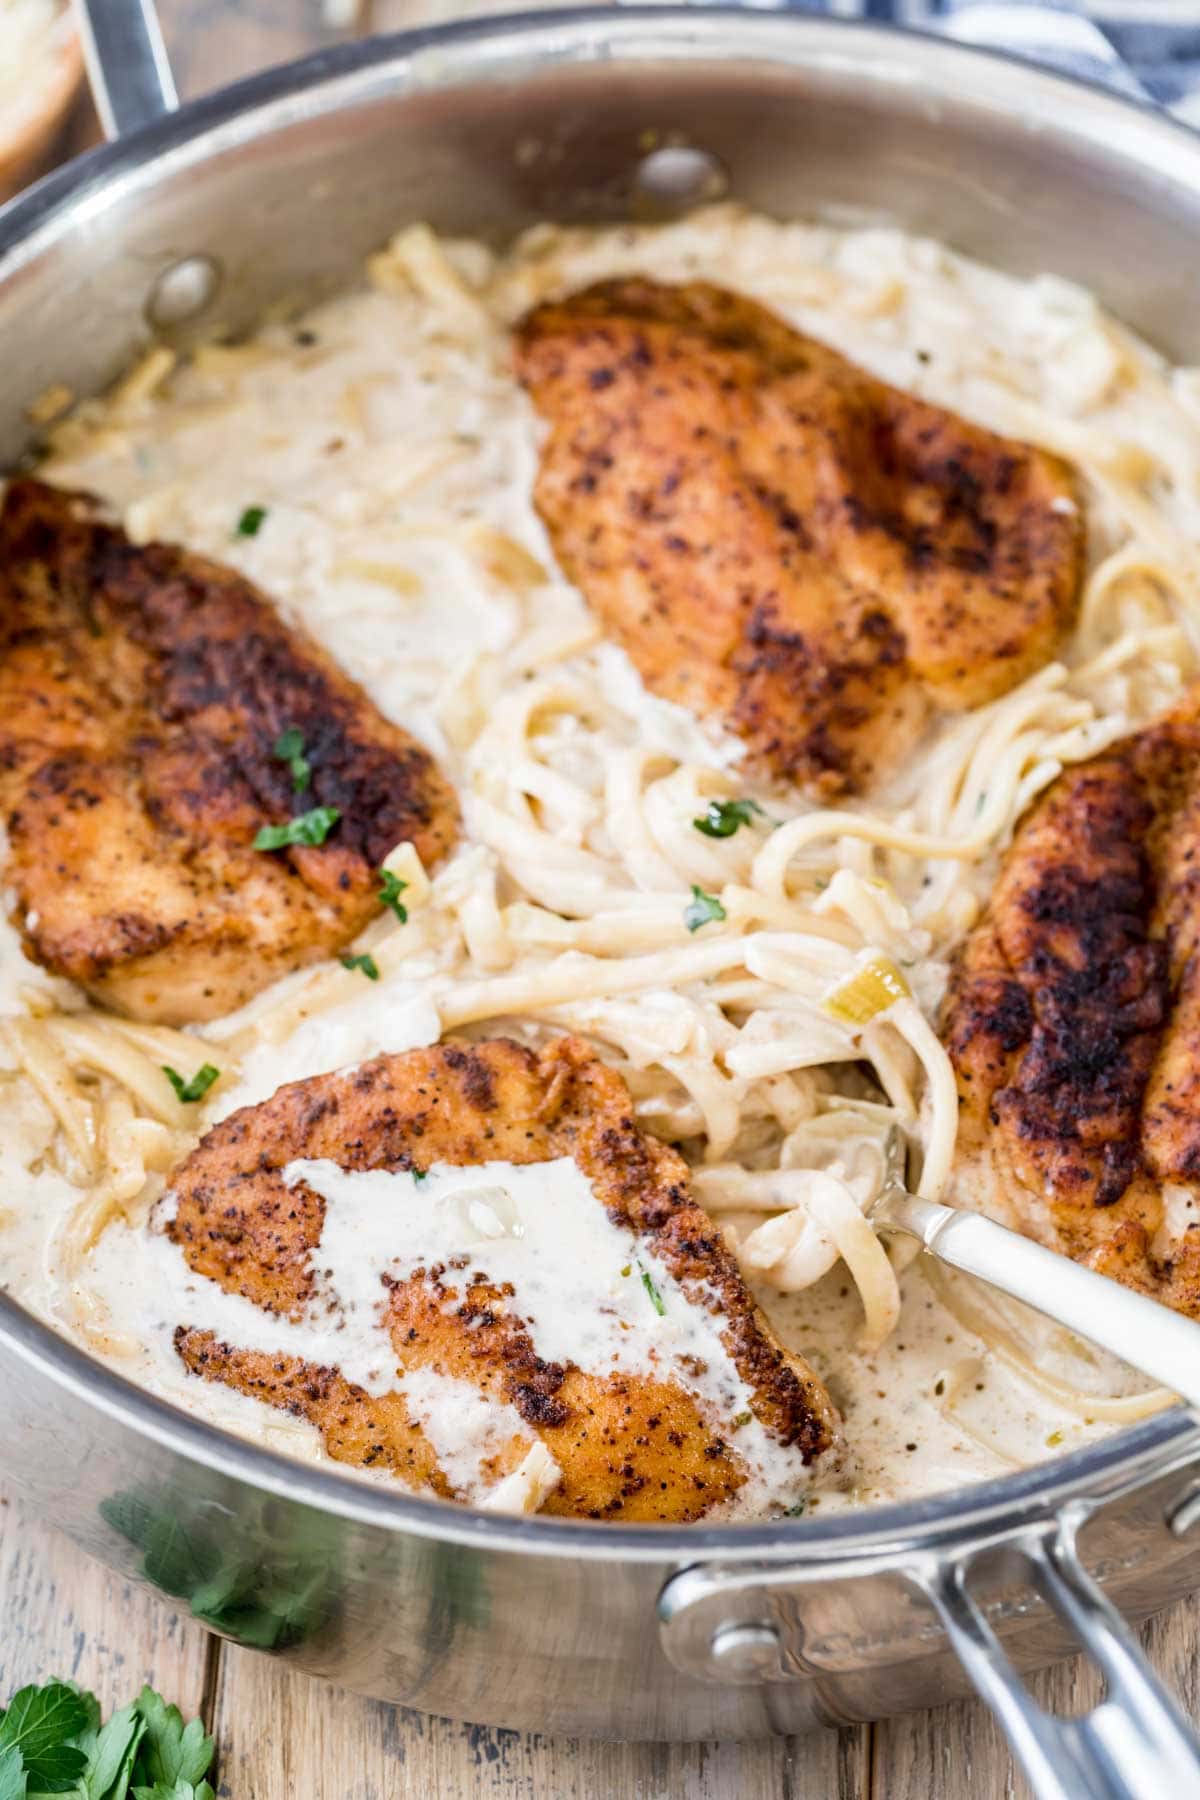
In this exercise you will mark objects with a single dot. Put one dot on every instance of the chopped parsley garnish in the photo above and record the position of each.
(793, 1512)
(251, 521)
(197, 1087)
(367, 964)
(740, 1419)
(419, 1174)
(656, 1299)
(390, 892)
(723, 817)
(702, 909)
(289, 748)
(52, 1742)
(308, 828)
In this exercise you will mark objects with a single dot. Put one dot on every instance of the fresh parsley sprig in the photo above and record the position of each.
(723, 817)
(702, 909)
(195, 1088)
(367, 964)
(39, 1733)
(656, 1299)
(308, 828)
(52, 1741)
(289, 748)
(391, 888)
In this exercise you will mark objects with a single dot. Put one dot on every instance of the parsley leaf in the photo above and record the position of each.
(794, 1512)
(289, 748)
(723, 817)
(308, 828)
(250, 521)
(52, 1742)
(14, 1782)
(111, 1754)
(39, 1724)
(367, 964)
(197, 1087)
(419, 1174)
(390, 893)
(171, 1752)
(656, 1299)
(702, 909)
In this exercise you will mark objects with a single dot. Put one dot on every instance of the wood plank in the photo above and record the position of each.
(281, 1733)
(65, 1615)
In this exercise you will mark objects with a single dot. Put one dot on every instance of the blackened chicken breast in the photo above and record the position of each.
(144, 694)
(1073, 1018)
(629, 1445)
(781, 541)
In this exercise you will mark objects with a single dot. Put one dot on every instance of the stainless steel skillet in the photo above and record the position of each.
(276, 189)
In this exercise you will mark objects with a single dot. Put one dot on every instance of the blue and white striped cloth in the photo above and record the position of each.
(1147, 48)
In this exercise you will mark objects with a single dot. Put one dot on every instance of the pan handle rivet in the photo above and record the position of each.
(671, 180)
(182, 290)
(746, 1652)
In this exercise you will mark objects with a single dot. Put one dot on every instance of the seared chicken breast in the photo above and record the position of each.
(1073, 1018)
(781, 541)
(629, 1444)
(148, 702)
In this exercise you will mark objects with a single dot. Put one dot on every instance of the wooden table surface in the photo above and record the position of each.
(282, 1736)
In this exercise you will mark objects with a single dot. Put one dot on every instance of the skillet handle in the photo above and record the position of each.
(127, 63)
(772, 1626)
(1135, 1745)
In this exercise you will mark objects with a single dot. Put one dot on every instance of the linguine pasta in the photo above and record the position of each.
(393, 457)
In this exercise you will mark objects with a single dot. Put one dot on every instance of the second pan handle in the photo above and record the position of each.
(127, 65)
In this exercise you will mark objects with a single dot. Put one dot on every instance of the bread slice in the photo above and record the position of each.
(41, 66)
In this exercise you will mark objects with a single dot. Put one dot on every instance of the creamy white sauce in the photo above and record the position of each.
(592, 1295)
(582, 1286)
(465, 1428)
(932, 1410)
(387, 1016)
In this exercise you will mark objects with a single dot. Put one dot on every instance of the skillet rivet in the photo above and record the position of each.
(746, 1652)
(670, 181)
(182, 290)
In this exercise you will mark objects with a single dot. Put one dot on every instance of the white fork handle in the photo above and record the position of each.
(1148, 1336)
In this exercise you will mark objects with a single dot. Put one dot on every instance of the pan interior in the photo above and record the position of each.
(272, 194)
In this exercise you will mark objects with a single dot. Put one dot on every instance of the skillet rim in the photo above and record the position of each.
(267, 101)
